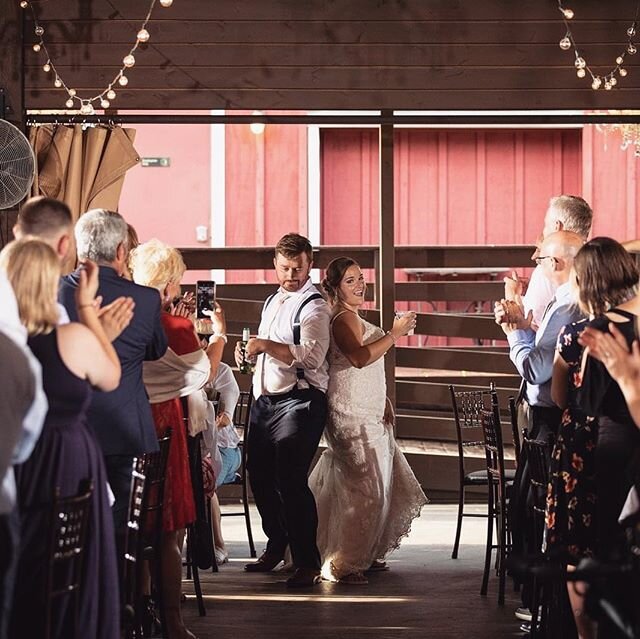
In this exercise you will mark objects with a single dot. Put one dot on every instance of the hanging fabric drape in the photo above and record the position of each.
(84, 168)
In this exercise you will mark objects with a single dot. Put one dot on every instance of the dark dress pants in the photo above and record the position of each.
(284, 434)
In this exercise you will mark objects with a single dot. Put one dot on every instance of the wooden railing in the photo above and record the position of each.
(423, 373)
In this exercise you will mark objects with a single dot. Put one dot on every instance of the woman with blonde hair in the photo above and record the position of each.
(75, 357)
(182, 371)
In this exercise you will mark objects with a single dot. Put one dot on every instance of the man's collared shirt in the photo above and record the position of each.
(533, 352)
(540, 290)
(273, 377)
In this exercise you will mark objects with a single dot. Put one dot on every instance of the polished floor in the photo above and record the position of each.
(424, 594)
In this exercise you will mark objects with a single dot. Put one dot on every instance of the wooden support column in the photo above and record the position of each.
(11, 86)
(386, 258)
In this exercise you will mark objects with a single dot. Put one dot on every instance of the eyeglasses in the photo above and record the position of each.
(541, 258)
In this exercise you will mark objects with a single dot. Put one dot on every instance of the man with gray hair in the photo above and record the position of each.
(565, 213)
(121, 419)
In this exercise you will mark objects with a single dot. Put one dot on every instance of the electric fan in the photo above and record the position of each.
(17, 165)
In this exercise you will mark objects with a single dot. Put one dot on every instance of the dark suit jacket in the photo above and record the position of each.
(122, 419)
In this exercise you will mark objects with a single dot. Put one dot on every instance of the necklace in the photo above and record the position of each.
(609, 79)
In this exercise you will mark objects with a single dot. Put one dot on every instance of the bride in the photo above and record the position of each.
(366, 493)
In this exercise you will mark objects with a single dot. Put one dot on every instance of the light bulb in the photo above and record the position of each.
(46, 67)
(580, 63)
(69, 103)
(143, 35)
(257, 128)
(596, 84)
(622, 72)
(619, 59)
(581, 73)
(86, 108)
(631, 31)
(565, 43)
(166, 3)
(36, 47)
(71, 92)
(39, 31)
(24, 4)
(631, 49)
(123, 80)
(111, 94)
(607, 86)
(568, 13)
(613, 81)
(105, 104)
(128, 61)
(57, 83)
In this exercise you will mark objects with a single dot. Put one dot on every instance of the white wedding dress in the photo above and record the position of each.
(366, 493)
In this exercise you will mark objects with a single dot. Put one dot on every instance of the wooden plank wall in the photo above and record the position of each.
(345, 54)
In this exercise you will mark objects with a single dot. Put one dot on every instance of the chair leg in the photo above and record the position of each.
(247, 516)
(196, 586)
(489, 544)
(502, 553)
(456, 543)
(535, 603)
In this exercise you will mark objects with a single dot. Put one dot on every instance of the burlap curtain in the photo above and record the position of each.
(84, 168)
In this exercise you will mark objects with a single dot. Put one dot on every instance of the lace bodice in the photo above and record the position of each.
(360, 391)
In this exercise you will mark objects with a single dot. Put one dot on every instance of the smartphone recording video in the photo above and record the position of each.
(205, 297)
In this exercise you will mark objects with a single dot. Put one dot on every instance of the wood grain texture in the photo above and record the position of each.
(342, 54)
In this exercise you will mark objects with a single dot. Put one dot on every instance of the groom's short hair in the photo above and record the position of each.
(293, 244)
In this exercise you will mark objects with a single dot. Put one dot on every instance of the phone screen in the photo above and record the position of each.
(205, 297)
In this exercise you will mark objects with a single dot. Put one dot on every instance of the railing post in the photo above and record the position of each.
(386, 261)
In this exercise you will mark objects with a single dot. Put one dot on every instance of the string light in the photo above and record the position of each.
(607, 80)
(104, 98)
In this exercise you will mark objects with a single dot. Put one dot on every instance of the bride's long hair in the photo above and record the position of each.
(333, 276)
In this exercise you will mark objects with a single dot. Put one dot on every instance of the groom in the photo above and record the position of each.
(288, 416)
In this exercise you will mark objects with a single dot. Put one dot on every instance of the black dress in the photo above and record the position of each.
(66, 455)
(617, 445)
(570, 522)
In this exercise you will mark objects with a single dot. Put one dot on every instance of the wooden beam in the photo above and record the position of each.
(433, 260)
(386, 274)
(455, 360)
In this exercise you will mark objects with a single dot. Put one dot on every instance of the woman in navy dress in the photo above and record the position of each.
(74, 357)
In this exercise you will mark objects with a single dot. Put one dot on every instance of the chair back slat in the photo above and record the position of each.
(537, 454)
(67, 540)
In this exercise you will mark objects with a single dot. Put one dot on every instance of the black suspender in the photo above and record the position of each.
(296, 321)
(296, 326)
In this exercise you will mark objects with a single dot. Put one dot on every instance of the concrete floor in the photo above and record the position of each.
(424, 594)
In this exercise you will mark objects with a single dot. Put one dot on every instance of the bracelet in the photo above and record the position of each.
(390, 334)
(85, 305)
(221, 336)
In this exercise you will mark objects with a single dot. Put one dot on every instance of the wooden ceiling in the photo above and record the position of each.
(334, 54)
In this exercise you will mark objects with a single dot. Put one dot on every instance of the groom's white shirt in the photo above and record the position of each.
(273, 377)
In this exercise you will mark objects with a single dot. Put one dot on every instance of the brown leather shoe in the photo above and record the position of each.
(266, 563)
(304, 577)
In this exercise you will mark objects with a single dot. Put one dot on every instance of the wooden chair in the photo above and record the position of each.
(515, 431)
(467, 407)
(67, 534)
(130, 596)
(241, 417)
(537, 454)
(497, 497)
(149, 534)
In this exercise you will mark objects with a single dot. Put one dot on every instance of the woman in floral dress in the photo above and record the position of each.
(605, 275)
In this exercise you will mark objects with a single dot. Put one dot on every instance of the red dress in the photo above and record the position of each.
(179, 507)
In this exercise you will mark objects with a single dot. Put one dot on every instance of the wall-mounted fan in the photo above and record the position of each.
(17, 165)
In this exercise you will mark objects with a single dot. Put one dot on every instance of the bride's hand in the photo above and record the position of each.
(389, 416)
(403, 324)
